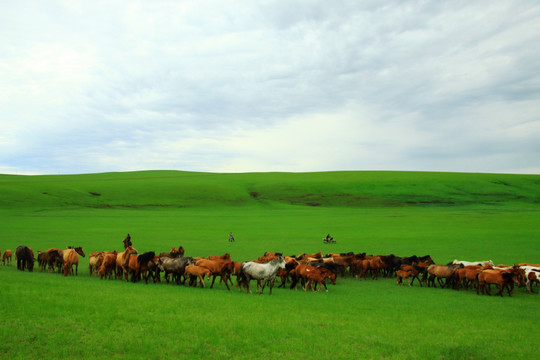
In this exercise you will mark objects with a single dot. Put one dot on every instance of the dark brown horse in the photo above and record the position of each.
(25, 258)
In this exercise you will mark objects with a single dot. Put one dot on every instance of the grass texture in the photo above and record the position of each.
(446, 215)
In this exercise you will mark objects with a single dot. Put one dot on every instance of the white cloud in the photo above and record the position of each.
(216, 86)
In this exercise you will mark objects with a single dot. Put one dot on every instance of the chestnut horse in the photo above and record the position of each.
(108, 265)
(139, 264)
(122, 262)
(194, 272)
(7, 256)
(221, 268)
(373, 265)
(503, 279)
(405, 274)
(318, 276)
(71, 257)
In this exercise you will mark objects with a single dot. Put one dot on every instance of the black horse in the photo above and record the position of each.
(25, 258)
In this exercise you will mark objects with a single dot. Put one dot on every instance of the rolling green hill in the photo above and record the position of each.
(333, 189)
(446, 215)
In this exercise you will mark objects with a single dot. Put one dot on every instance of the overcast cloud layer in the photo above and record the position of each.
(236, 86)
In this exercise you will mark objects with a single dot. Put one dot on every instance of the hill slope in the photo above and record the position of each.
(336, 189)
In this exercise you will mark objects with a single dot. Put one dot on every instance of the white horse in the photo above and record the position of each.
(532, 275)
(264, 272)
(467, 263)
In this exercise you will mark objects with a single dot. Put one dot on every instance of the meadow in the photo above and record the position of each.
(446, 215)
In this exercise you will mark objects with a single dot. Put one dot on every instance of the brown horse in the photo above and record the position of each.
(413, 273)
(140, 264)
(7, 256)
(299, 275)
(304, 255)
(71, 257)
(404, 274)
(442, 272)
(194, 272)
(108, 265)
(503, 279)
(122, 262)
(347, 262)
(49, 258)
(94, 262)
(221, 268)
(373, 265)
(466, 276)
(226, 256)
(318, 276)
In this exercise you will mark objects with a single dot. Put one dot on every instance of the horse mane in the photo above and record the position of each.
(126, 254)
(79, 250)
(146, 257)
(276, 260)
(290, 266)
(333, 267)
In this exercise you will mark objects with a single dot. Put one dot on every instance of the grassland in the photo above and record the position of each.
(470, 216)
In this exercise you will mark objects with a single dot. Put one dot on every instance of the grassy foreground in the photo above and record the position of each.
(469, 216)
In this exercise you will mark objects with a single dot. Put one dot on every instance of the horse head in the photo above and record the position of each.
(280, 260)
(131, 250)
(79, 251)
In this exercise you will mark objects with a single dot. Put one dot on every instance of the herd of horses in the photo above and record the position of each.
(310, 271)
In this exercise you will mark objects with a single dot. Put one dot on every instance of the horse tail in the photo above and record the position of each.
(241, 276)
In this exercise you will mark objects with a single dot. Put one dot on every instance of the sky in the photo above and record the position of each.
(259, 86)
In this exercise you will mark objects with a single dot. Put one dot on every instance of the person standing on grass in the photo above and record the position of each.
(231, 237)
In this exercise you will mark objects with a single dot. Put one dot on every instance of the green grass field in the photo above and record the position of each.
(446, 215)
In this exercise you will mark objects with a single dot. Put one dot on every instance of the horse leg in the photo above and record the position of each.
(305, 286)
(264, 282)
(271, 285)
(509, 288)
(202, 281)
(323, 282)
(440, 282)
(227, 285)
(248, 280)
(501, 289)
(294, 281)
(213, 280)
